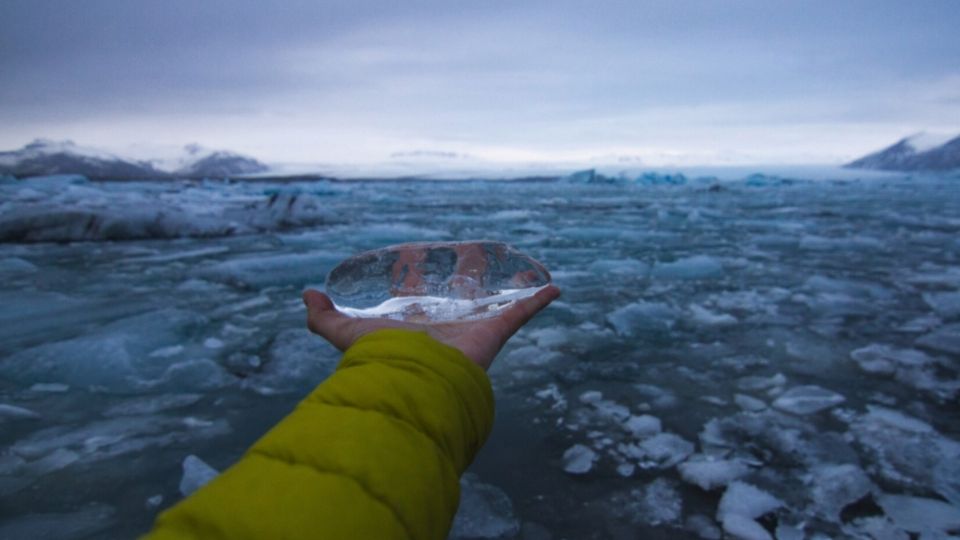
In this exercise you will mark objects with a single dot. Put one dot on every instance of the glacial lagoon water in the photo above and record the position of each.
(761, 355)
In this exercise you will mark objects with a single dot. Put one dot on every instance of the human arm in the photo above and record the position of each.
(376, 451)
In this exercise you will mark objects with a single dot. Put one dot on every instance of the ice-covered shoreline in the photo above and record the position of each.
(772, 356)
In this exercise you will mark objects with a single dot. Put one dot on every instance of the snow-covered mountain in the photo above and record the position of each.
(200, 162)
(45, 157)
(920, 152)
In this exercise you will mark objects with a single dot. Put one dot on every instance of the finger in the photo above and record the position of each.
(324, 319)
(518, 314)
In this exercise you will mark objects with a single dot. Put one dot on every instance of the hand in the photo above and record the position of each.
(480, 340)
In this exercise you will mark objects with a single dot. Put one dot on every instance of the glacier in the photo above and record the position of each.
(759, 355)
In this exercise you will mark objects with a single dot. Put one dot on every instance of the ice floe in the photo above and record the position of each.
(196, 474)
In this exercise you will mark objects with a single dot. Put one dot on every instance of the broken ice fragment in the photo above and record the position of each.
(643, 426)
(664, 451)
(744, 528)
(435, 281)
(742, 499)
(944, 339)
(196, 474)
(807, 400)
(15, 413)
(918, 514)
(485, 511)
(710, 473)
(833, 487)
(578, 459)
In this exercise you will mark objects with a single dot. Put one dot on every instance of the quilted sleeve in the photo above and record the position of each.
(375, 451)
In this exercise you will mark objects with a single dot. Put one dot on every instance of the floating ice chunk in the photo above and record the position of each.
(875, 353)
(744, 528)
(549, 337)
(790, 532)
(152, 404)
(847, 287)
(807, 400)
(742, 499)
(578, 459)
(114, 357)
(260, 271)
(918, 514)
(703, 527)
(749, 403)
(54, 461)
(13, 266)
(946, 304)
(944, 339)
(179, 255)
(823, 243)
(925, 323)
(485, 511)
(696, 267)
(710, 473)
(626, 469)
(553, 393)
(909, 366)
(213, 343)
(77, 525)
(590, 397)
(946, 480)
(834, 487)
(663, 451)
(196, 474)
(53, 388)
(876, 528)
(154, 501)
(660, 398)
(651, 178)
(193, 374)
(897, 420)
(13, 412)
(104, 439)
(908, 451)
(660, 503)
(702, 315)
(297, 360)
(525, 358)
(620, 267)
(167, 352)
(643, 426)
(642, 318)
(439, 281)
(761, 383)
(611, 410)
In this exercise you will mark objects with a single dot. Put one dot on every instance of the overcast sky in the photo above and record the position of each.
(706, 82)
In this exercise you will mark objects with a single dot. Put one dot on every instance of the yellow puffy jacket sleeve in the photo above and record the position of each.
(376, 451)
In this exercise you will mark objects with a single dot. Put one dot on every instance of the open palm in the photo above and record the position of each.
(480, 340)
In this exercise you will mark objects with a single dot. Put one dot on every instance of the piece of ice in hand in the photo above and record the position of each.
(435, 281)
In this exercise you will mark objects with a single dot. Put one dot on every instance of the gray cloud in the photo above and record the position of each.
(295, 77)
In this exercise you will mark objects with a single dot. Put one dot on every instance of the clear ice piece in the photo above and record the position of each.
(435, 281)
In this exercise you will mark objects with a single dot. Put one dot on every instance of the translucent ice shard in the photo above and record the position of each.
(434, 282)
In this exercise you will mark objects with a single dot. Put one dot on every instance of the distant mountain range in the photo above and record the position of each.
(44, 157)
(920, 152)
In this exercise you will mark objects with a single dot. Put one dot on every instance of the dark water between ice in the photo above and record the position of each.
(798, 342)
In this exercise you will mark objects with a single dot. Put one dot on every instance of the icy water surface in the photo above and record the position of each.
(762, 356)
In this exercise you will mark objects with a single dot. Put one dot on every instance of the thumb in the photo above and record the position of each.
(324, 319)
